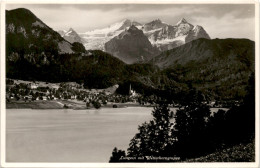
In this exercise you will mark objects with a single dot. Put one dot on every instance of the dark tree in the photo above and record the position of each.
(240, 120)
(116, 155)
(190, 130)
(78, 47)
(153, 137)
(96, 104)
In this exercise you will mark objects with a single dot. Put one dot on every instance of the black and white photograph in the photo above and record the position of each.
(128, 83)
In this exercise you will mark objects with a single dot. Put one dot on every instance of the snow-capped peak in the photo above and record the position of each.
(126, 20)
(158, 33)
(158, 20)
(133, 27)
(108, 29)
(197, 27)
(71, 30)
(182, 21)
(62, 32)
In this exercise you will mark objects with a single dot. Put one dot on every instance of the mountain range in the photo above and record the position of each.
(219, 68)
(166, 37)
(161, 35)
(156, 37)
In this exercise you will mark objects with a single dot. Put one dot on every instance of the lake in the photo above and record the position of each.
(70, 135)
(67, 135)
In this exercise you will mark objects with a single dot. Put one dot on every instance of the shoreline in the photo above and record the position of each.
(59, 104)
(77, 105)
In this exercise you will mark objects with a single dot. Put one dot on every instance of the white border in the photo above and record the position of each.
(2, 84)
(128, 165)
(130, 1)
(257, 75)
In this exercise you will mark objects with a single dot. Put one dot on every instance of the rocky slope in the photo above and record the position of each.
(131, 46)
(27, 37)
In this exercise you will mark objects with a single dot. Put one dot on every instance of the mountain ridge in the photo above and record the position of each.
(161, 35)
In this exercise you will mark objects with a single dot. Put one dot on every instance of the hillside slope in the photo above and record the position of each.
(220, 67)
(28, 35)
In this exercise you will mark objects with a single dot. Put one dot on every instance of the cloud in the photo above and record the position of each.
(228, 27)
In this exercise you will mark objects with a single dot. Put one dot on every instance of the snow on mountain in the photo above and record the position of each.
(155, 24)
(62, 32)
(131, 46)
(106, 30)
(196, 33)
(70, 35)
(97, 38)
(162, 35)
(182, 21)
(165, 36)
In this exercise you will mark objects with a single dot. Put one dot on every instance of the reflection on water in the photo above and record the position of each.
(70, 135)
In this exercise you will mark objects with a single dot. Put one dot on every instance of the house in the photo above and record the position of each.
(54, 86)
(32, 86)
(44, 97)
(107, 93)
(212, 103)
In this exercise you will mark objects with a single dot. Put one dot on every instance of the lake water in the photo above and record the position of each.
(67, 135)
(70, 135)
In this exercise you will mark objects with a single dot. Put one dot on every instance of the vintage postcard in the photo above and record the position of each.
(129, 84)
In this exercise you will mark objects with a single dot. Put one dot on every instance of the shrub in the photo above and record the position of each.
(96, 104)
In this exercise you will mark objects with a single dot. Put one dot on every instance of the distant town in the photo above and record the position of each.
(68, 95)
(36, 94)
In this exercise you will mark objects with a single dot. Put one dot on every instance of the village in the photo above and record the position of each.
(68, 95)
(32, 94)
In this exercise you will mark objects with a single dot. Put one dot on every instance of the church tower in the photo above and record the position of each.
(130, 90)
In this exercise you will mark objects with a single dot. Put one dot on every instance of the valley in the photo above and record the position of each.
(219, 68)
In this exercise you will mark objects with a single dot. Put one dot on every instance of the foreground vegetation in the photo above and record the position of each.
(194, 132)
(237, 153)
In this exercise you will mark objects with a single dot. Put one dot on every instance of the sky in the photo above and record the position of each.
(219, 20)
